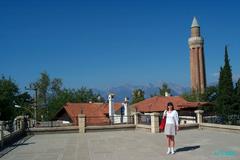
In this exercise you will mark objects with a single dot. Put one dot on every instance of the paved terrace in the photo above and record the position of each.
(128, 145)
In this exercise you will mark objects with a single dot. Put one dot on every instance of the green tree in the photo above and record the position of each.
(225, 80)
(58, 101)
(26, 102)
(8, 93)
(56, 86)
(52, 97)
(47, 89)
(83, 95)
(137, 96)
(43, 84)
(237, 88)
(189, 96)
(164, 89)
(236, 98)
(210, 94)
(225, 88)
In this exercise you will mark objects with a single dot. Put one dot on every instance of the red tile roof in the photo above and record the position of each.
(94, 112)
(97, 113)
(159, 103)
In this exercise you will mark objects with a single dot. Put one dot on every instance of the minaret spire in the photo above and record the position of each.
(197, 62)
(195, 23)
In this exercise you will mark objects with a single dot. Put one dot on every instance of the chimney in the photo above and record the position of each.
(111, 104)
(125, 104)
(167, 94)
(126, 99)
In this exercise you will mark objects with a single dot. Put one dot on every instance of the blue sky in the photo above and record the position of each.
(108, 43)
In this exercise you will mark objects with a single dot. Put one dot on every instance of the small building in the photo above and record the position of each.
(116, 113)
(159, 104)
(96, 113)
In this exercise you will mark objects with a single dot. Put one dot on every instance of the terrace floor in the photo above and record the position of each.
(128, 145)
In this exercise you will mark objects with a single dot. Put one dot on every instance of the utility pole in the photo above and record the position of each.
(34, 88)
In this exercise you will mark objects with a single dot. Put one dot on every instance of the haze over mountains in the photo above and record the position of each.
(149, 89)
(126, 90)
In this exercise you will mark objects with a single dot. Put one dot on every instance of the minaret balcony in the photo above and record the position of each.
(195, 41)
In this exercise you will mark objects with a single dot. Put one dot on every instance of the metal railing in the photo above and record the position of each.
(144, 119)
(11, 131)
(220, 119)
(105, 120)
(9, 127)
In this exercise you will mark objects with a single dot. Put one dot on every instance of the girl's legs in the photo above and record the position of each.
(169, 141)
(169, 144)
(172, 140)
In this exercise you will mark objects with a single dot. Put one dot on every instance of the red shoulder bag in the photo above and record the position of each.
(162, 125)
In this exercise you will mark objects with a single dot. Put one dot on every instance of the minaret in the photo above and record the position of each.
(197, 64)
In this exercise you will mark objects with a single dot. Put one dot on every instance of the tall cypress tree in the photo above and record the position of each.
(236, 98)
(227, 75)
(237, 89)
(225, 87)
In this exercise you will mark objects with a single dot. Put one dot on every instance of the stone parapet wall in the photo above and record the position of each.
(220, 127)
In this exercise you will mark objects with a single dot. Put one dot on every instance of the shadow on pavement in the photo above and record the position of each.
(22, 144)
(11, 147)
(188, 148)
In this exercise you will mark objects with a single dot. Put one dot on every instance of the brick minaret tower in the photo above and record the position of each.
(197, 64)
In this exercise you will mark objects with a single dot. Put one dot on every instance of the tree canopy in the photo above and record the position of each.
(164, 89)
(8, 93)
(137, 96)
(53, 96)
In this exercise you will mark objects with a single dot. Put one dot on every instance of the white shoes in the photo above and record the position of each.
(170, 151)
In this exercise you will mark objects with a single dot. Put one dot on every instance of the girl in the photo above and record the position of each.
(171, 126)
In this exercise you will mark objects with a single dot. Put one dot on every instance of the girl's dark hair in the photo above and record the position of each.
(170, 104)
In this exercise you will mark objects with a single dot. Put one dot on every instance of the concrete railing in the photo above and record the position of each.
(188, 126)
(187, 120)
(53, 130)
(221, 127)
(154, 122)
(110, 127)
(199, 114)
(81, 123)
(153, 127)
(144, 127)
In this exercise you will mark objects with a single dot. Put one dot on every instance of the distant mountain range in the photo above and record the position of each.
(126, 90)
(149, 89)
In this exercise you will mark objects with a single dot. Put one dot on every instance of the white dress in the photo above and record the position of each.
(171, 122)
